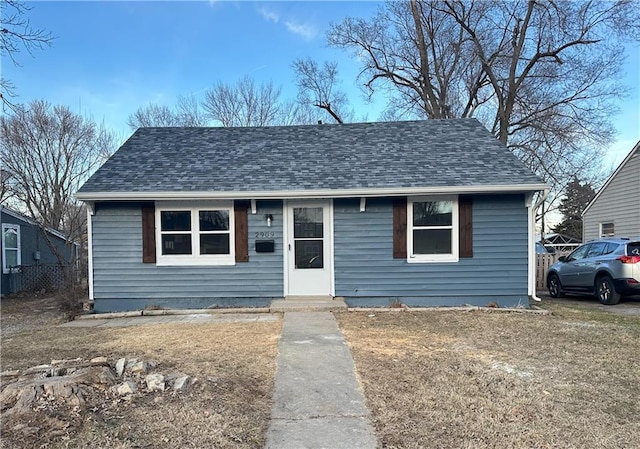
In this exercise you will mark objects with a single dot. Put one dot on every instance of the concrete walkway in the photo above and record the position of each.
(318, 402)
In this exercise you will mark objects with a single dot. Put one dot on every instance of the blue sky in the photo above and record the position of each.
(109, 58)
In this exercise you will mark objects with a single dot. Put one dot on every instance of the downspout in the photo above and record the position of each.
(90, 212)
(531, 209)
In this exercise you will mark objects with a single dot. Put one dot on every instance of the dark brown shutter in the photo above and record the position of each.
(148, 233)
(465, 207)
(400, 228)
(241, 232)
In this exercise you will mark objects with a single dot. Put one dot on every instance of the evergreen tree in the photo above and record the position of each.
(576, 199)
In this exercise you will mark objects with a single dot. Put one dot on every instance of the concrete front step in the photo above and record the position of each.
(308, 304)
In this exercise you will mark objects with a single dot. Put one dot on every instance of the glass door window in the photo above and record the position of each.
(308, 237)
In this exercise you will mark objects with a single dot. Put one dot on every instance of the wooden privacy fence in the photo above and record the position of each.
(543, 262)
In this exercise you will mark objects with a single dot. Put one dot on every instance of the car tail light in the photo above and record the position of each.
(629, 259)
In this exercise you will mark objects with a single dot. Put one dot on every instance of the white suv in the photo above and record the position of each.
(607, 268)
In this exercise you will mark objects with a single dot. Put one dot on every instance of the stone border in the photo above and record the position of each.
(164, 312)
(534, 310)
(161, 312)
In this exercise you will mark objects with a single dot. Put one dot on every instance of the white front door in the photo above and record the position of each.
(309, 259)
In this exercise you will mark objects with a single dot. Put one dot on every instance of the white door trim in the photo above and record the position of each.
(286, 213)
(285, 247)
(332, 274)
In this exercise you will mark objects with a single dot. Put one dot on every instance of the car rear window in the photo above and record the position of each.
(633, 249)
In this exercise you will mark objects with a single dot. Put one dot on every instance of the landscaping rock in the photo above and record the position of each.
(67, 362)
(139, 367)
(9, 375)
(181, 383)
(97, 375)
(69, 381)
(98, 360)
(130, 363)
(120, 365)
(39, 369)
(18, 397)
(155, 382)
(127, 387)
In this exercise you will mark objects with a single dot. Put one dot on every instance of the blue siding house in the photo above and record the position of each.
(26, 243)
(433, 212)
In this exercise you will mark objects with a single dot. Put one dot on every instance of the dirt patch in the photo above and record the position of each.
(483, 380)
(20, 313)
(228, 408)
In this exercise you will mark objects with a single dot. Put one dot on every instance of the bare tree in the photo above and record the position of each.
(16, 34)
(418, 55)
(49, 152)
(243, 104)
(190, 112)
(186, 113)
(5, 185)
(540, 75)
(318, 87)
(152, 115)
(292, 112)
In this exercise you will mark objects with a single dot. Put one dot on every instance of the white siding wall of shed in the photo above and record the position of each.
(618, 203)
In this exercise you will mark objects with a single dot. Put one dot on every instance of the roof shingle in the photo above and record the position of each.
(412, 154)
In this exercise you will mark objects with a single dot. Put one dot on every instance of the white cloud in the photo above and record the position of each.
(306, 31)
(269, 15)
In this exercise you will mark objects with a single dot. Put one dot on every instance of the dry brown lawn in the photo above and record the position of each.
(229, 406)
(497, 380)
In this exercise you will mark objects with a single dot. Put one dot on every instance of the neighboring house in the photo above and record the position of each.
(24, 244)
(615, 210)
(434, 212)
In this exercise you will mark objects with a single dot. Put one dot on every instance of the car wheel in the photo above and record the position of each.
(554, 285)
(606, 292)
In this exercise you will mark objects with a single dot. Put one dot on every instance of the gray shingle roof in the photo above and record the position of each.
(431, 153)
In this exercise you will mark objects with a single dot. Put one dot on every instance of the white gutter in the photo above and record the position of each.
(300, 194)
(531, 212)
(90, 212)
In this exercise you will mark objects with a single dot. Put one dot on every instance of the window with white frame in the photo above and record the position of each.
(199, 235)
(606, 230)
(10, 246)
(432, 227)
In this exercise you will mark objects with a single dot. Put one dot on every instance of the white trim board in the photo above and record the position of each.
(309, 194)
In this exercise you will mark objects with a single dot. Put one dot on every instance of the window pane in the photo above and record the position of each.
(597, 249)
(176, 243)
(10, 238)
(611, 247)
(432, 213)
(214, 220)
(11, 256)
(175, 220)
(607, 229)
(214, 243)
(579, 253)
(432, 241)
(307, 222)
(309, 254)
